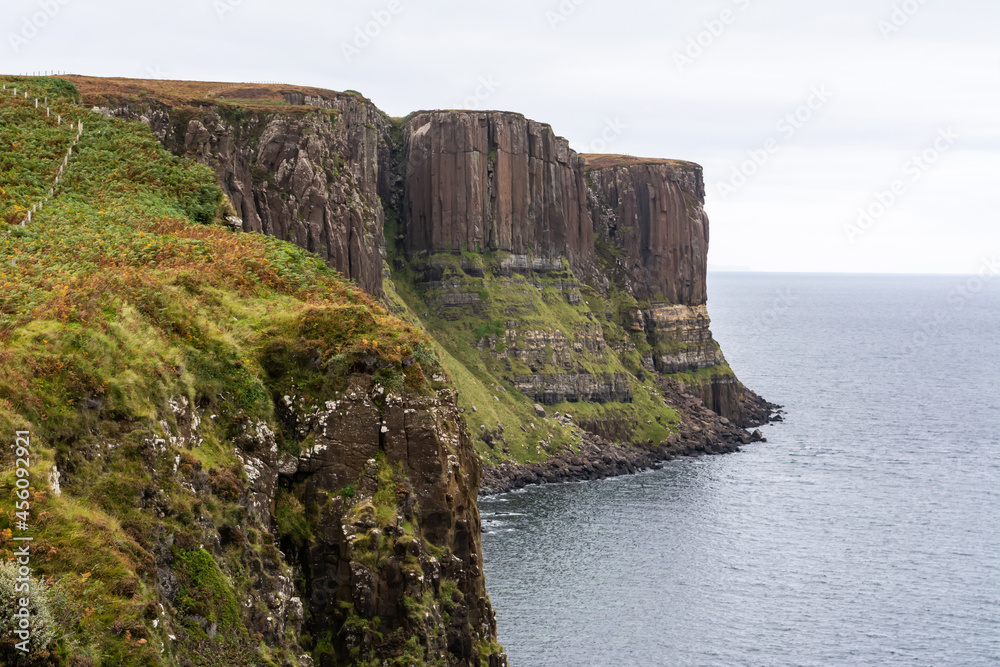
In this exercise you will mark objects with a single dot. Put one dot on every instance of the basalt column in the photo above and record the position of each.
(492, 181)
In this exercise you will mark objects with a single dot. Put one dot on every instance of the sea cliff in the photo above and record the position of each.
(449, 217)
(285, 341)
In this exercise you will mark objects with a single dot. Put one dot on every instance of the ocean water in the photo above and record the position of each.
(866, 531)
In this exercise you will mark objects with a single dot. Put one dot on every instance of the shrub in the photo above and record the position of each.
(43, 626)
(204, 590)
(225, 484)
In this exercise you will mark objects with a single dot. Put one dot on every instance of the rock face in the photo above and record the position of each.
(402, 544)
(653, 210)
(690, 345)
(491, 204)
(309, 177)
(488, 181)
(727, 396)
(495, 183)
(650, 216)
(479, 182)
(387, 488)
(575, 388)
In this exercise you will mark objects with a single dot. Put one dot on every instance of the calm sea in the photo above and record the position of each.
(865, 532)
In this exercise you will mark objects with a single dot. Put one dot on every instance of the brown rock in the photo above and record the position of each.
(654, 210)
(425, 438)
(313, 179)
(483, 181)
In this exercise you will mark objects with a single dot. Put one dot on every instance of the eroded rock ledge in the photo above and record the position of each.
(702, 432)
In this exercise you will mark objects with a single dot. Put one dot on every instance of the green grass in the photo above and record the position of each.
(704, 376)
(522, 304)
(124, 294)
(204, 592)
(290, 515)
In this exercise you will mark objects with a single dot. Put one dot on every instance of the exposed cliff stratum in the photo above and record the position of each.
(243, 458)
(493, 182)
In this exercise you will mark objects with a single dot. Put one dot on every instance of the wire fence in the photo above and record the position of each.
(43, 103)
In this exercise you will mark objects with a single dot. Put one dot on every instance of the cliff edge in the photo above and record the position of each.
(574, 282)
(272, 344)
(233, 456)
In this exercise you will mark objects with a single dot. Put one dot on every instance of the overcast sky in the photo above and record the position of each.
(804, 113)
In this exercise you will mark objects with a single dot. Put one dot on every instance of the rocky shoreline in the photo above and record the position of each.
(702, 432)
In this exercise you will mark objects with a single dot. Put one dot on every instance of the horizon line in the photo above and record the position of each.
(846, 273)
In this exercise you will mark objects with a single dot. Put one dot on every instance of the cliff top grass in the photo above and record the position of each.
(265, 96)
(593, 161)
(123, 299)
(131, 227)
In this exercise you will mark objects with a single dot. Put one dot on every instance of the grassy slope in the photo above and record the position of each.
(478, 374)
(118, 298)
